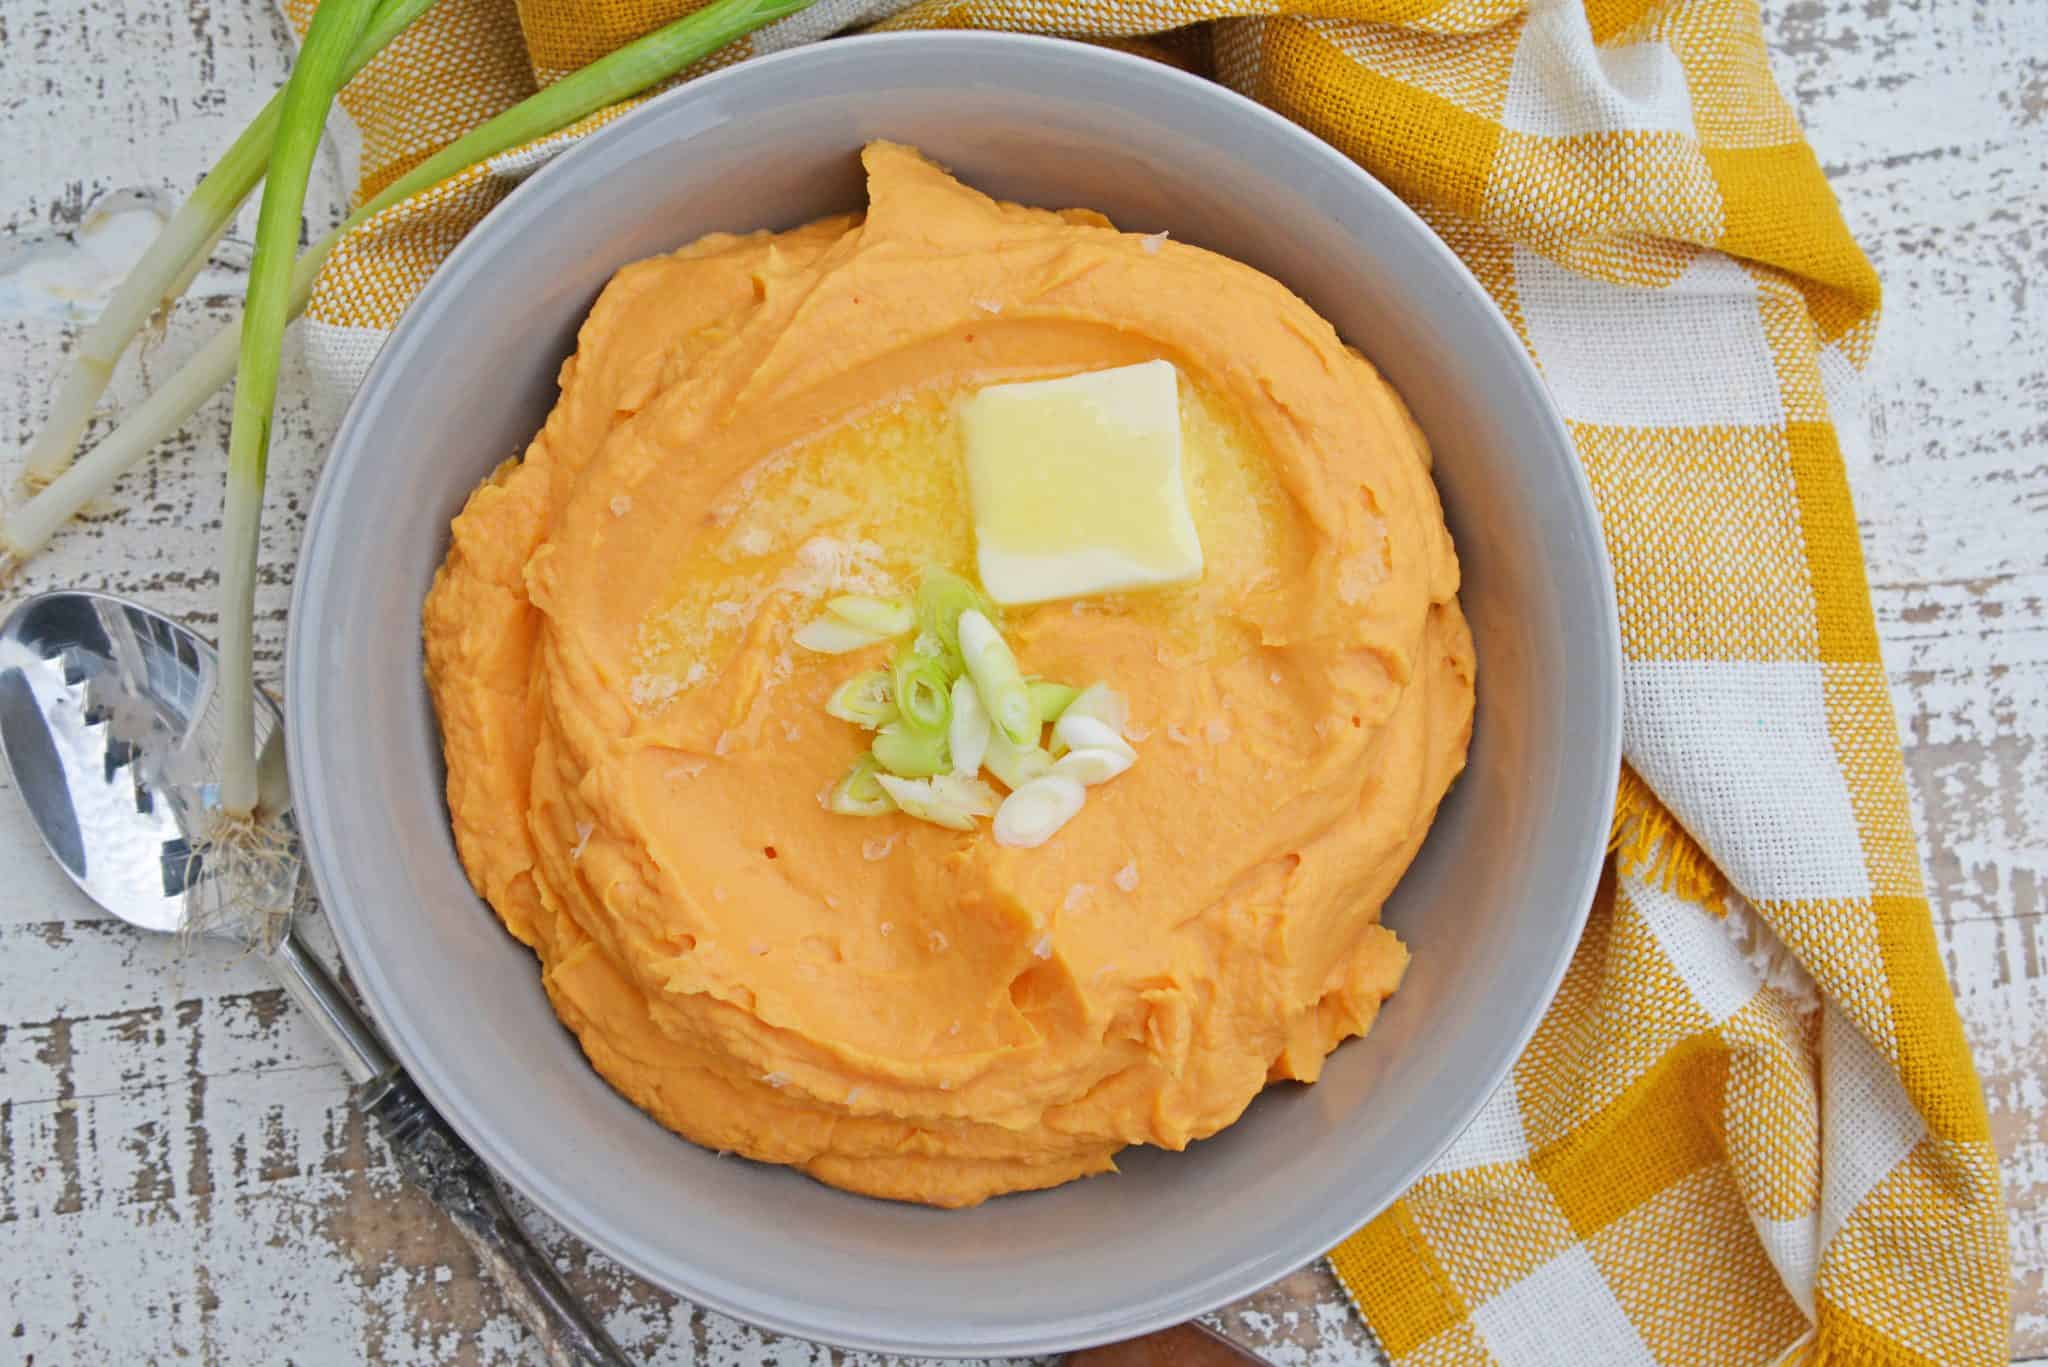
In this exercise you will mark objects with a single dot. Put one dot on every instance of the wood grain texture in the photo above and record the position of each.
(1932, 121)
(180, 1176)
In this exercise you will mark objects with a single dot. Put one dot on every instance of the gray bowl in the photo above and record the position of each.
(1491, 908)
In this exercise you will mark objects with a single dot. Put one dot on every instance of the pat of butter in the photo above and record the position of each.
(1075, 485)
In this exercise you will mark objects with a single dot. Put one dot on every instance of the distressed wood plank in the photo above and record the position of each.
(1932, 121)
(179, 1173)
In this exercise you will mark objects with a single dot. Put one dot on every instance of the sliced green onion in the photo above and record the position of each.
(970, 794)
(924, 690)
(302, 118)
(884, 617)
(1050, 699)
(997, 678)
(920, 797)
(1015, 765)
(1104, 704)
(865, 700)
(941, 597)
(969, 731)
(621, 75)
(1077, 731)
(829, 636)
(1030, 815)
(909, 753)
(1093, 765)
(860, 793)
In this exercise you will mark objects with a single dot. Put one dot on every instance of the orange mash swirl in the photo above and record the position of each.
(635, 750)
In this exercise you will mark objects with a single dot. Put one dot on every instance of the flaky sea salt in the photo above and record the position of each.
(1178, 736)
(939, 942)
(775, 1079)
(1216, 732)
(1077, 896)
(1152, 243)
(621, 505)
(874, 851)
(583, 833)
(1126, 878)
(652, 690)
(1043, 949)
(1358, 576)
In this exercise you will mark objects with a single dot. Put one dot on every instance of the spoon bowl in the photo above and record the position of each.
(110, 720)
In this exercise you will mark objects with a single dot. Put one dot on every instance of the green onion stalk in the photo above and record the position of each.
(302, 115)
(621, 75)
(177, 254)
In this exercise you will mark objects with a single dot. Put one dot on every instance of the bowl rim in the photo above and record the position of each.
(1312, 1238)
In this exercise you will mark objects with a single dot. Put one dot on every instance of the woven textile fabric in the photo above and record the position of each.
(1749, 1129)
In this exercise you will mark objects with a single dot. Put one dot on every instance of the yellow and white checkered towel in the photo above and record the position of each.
(1749, 1129)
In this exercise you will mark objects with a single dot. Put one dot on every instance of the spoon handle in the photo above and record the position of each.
(440, 1164)
(436, 1160)
(369, 1064)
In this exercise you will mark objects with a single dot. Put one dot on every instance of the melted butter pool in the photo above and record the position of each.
(865, 506)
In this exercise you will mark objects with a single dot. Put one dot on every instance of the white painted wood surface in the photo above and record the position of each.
(180, 1176)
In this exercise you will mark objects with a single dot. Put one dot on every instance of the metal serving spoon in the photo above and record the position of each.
(111, 725)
